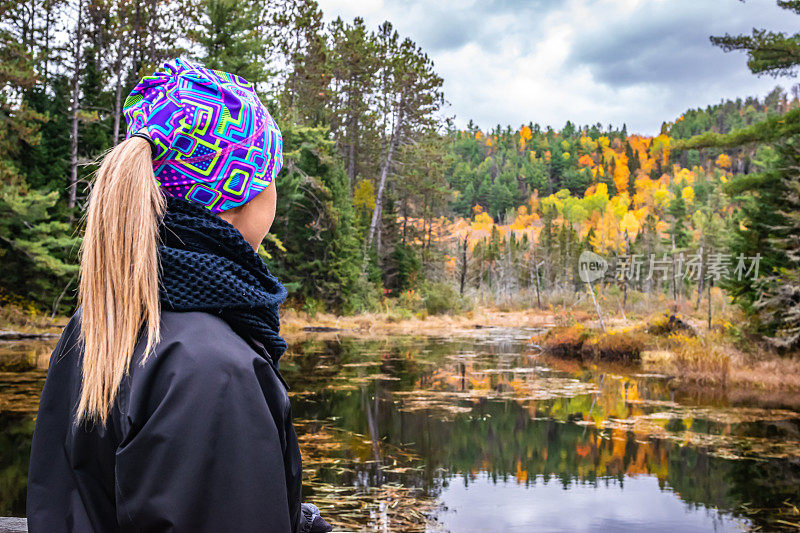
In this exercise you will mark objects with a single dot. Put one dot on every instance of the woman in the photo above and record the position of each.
(163, 408)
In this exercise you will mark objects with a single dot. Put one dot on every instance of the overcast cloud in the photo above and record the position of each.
(639, 62)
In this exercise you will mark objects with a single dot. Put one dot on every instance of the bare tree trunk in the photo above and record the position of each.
(596, 307)
(351, 164)
(118, 99)
(118, 89)
(427, 247)
(566, 256)
(137, 36)
(548, 275)
(57, 301)
(378, 242)
(153, 30)
(536, 268)
(625, 276)
(674, 281)
(387, 162)
(479, 277)
(463, 280)
(700, 281)
(76, 57)
(510, 282)
(405, 222)
(48, 19)
(351, 152)
(117, 109)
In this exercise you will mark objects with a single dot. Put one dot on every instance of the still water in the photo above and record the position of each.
(478, 432)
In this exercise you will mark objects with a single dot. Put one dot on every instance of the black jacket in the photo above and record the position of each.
(199, 439)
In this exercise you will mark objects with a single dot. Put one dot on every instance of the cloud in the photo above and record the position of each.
(657, 42)
(639, 62)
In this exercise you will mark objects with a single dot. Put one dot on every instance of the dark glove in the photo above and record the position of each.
(312, 522)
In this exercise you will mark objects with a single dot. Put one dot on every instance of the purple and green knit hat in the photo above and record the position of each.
(215, 142)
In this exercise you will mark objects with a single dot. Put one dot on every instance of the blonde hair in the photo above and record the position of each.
(119, 273)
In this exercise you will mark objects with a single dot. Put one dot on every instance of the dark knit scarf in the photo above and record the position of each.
(206, 265)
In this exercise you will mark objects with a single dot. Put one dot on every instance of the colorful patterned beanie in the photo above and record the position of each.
(215, 142)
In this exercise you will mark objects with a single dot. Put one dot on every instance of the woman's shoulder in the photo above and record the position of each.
(182, 325)
(202, 340)
(198, 357)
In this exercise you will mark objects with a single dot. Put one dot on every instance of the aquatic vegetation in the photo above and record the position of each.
(564, 341)
(389, 425)
(20, 391)
(667, 324)
(625, 346)
(576, 341)
(701, 359)
(385, 506)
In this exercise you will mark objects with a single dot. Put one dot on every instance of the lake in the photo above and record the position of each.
(478, 432)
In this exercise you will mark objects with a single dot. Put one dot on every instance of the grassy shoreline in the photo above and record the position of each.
(685, 350)
(692, 356)
(295, 323)
(717, 360)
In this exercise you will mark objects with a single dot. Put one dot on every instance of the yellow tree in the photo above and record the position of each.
(525, 135)
(621, 172)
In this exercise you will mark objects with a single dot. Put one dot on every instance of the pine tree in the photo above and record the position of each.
(37, 250)
(317, 251)
(306, 90)
(354, 65)
(36, 247)
(230, 39)
(409, 95)
(767, 225)
(768, 52)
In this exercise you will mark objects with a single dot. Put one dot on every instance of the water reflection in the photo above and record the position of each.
(483, 434)
(494, 418)
(584, 508)
(15, 448)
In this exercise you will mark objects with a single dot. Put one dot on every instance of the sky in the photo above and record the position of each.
(637, 62)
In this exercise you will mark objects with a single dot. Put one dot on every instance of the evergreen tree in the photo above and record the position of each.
(230, 38)
(306, 90)
(36, 248)
(317, 247)
(768, 52)
(763, 226)
(779, 298)
(38, 251)
(409, 96)
(354, 65)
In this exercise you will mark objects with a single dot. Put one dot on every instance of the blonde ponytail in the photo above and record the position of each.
(119, 273)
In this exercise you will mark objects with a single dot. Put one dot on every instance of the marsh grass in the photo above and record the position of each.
(564, 341)
(623, 346)
(702, 359)
(577, 342)
(27, 318)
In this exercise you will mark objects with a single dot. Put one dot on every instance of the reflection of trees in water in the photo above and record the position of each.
(371, 410)
(25, 355)
(15, 449)
(529, 442)
(373, 441)
(769, 489)
(501, 439)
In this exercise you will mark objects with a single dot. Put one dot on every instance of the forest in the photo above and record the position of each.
(383, 202)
